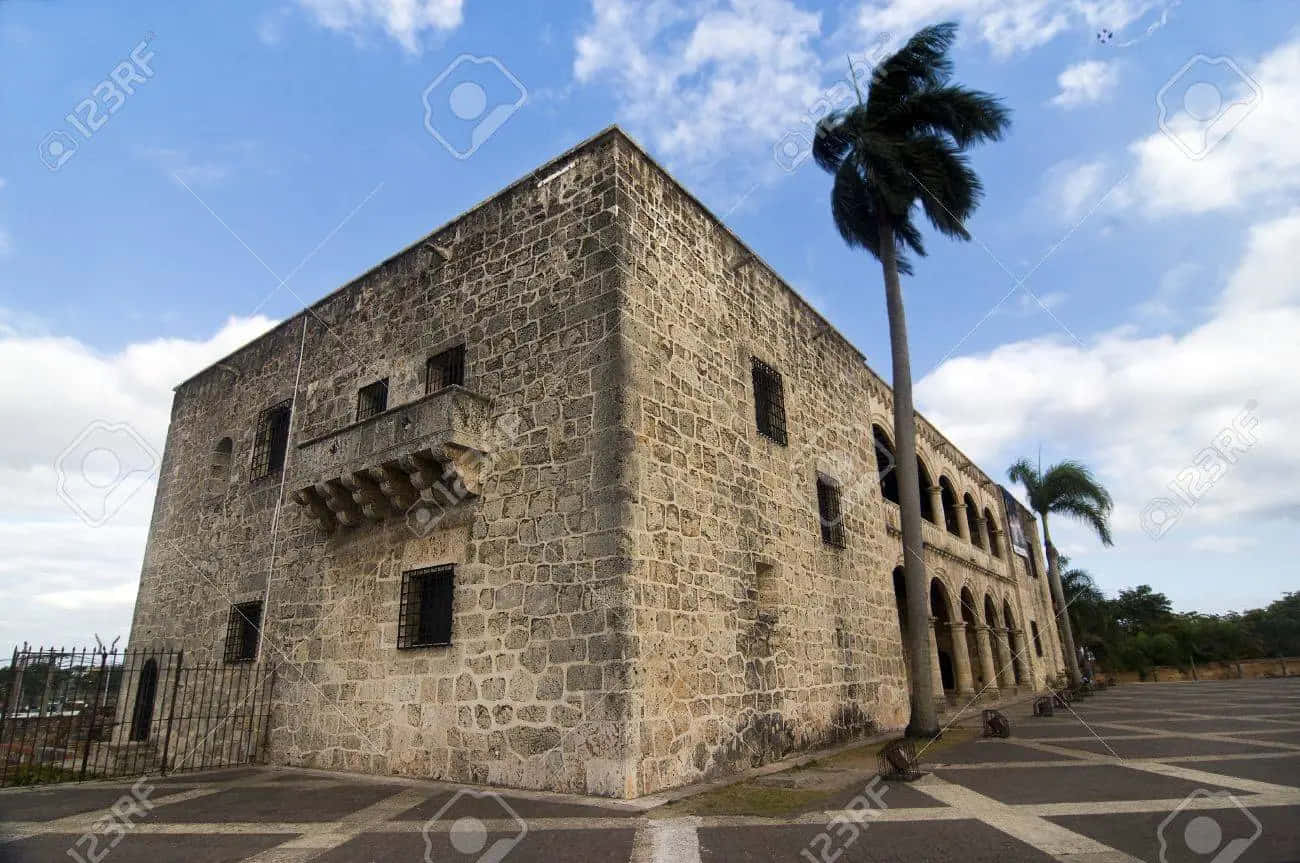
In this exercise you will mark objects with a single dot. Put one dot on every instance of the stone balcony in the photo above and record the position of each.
(939, 539)
(429, 449)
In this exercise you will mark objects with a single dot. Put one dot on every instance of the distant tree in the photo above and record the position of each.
(1140, 608)
(1067, 489)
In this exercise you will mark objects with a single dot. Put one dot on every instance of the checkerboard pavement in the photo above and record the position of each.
(1206, 771)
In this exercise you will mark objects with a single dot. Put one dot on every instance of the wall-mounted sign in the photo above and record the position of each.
(1018, 543)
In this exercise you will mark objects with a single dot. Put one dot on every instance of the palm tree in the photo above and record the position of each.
(1068, 489)
(900, 148)
(1084, 603)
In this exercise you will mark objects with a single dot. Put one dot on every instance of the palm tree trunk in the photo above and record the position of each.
(1063, 618)
(924, 720)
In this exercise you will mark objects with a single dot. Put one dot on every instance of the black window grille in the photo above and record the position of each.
(372, 399)
(272, 440)
(445, 369)
(1038, 643)
(828, 511)
(242, 631)
(424, 619)
(769, 402)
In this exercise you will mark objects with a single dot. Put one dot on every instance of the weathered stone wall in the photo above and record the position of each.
(521, 696)
(642, 595)
(756, 638)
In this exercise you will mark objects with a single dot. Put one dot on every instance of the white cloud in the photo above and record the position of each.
(1086, 82)
(1222, 544)
(1140, 408)
(1074, 188)
(61, 579)
(406, 21)
(1169, 301)
(1007, 26)
(703, 77)
(1251, 153)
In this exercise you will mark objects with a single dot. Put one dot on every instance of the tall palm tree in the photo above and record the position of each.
(898, 149)
(1067, 489)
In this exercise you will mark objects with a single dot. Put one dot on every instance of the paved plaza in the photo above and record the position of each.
(1163, 772)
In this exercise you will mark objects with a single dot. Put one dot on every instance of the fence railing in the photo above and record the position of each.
(87, 713)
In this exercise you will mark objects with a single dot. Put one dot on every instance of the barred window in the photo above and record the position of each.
(272, 440)
(242, 631)
(424, 618)
(828, 511)
(372, 399)
(1038, 643)
(769, 402)
(445, 369)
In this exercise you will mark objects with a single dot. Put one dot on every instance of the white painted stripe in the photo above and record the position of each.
(1032, 830)
(668, 840)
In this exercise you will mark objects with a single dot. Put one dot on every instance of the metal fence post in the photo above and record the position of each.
(171, 709)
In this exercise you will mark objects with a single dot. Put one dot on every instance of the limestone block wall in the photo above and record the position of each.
(642, 595)
(533, 690)
(756, 638)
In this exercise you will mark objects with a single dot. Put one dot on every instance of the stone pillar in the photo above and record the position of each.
(982, 530)
(936, 505)
(995, 540)
(934, 662)
(1006, 677)
(961, 659)
(987, 664)
(963, 526)
(1017, 637)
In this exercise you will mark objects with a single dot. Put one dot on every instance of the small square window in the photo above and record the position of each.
(445, 370)
(242, 631)
(769, 402)
(272, 440)
(372, 399)
(424, 618)
(828, 511)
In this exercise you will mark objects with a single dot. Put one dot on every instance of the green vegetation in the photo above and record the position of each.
(1139, 629)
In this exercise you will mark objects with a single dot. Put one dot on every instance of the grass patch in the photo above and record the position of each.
(865, 757)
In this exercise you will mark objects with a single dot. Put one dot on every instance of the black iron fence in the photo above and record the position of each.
(73, 715)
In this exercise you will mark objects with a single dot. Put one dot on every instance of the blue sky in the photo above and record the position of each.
(270, 140)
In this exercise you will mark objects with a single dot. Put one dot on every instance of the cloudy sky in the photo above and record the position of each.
(176, 178)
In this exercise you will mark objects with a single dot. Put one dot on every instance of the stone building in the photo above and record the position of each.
(574, 493)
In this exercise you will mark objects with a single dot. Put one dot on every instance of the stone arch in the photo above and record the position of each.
(974, 644)
(973, 521)
(999, 647)
(923, 478)
(900, 600)
(146, 692)
(990, 612)
(885, 462)
(942, 612)
(948, 499)
(1013, 640)
(991, 527)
